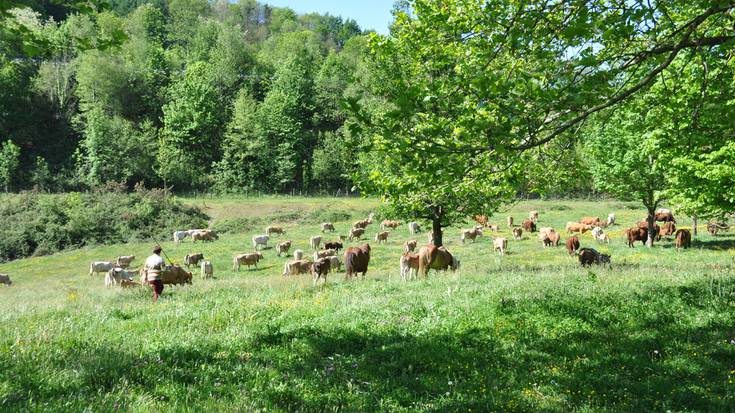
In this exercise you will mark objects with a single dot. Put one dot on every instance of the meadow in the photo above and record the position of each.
(528, 331)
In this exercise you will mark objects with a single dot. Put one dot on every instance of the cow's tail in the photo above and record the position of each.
(91, 269)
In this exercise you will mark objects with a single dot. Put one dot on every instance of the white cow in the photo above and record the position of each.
(298, 255)
(599, 235)
(260, 240)
(124, 261)
(315, 242)
(414, 228)
(207, 269)
(100, 266)
(610, 219)
(500, 244)
(180, 235)
(117, 275)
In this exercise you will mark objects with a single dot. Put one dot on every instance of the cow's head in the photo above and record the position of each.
(455, 263)
(604, 259)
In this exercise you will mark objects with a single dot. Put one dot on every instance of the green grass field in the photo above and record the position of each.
(529, 331)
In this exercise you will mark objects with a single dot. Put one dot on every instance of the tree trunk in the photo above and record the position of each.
(694, 225)
(436, 231)
(651, 235)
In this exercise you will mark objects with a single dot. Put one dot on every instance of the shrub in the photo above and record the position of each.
(44, 224)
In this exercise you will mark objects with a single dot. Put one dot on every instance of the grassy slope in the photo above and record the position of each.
(526, 332)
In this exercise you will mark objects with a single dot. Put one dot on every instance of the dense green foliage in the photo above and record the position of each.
(527, 332)
(44, 224)
(193, 94)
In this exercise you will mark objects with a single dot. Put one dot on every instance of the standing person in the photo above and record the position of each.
(153, 267)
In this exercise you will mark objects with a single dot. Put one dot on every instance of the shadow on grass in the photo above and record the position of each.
(643, 352)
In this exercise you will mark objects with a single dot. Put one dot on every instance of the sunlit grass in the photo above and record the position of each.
(530, 331)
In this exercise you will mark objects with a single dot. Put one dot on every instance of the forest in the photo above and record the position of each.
(191, 94)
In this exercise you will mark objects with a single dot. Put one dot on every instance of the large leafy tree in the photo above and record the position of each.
(470, 85)
(193, 124)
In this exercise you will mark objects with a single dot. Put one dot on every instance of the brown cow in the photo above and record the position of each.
(174, 274)
(509, 221)
(389, 224)
(320, 269)
(594, 221)
(296, 267)
(664, 215)
(356, 260)
(551, 239)
(636, 234)
(577, 227)
(517, 233)
(409, 264)
(683, 239)
(410, 245)
(667, 230)
(528, 225)
(481, 219)
(572, 245)
(436, 258)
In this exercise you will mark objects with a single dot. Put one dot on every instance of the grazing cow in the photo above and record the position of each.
(410, 245)
(363, 223)
(204, 236)
(493, 227)
(409, 265)
(589, 256)
(714, 227)
(551, 239)
(533, 216)
(335, 263)
(193, 259)
(529, 225)
(414, 228)
(577, 227)
(298, 255)
(324, 254)
(327, 226)
(356, 233)
(599, 235)
(5, 279)
(100, 267)
(180, 235)
(260, 240)
(381, 236)
(124, 261)
(636, 234)
(333, 246)
(296, 267)
(315, 242)
(656, 229)
(572, 245)
(544, 231)
(207, 269)
(610, 219)
(667, 230)
(117, 275)
(432, 257)
(517, 233)
(470, 234)
(283, 248)
(481, 219)
(664, 216)
(356, 260)
(500, 245)
(274, 230)
(509, 221)
(246, 259)
(683, 239)
(389, 224)
(342, 238)
(175, 275)
(320, 269)
(592, 221)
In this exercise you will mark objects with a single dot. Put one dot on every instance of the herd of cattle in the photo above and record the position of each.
(412, 262)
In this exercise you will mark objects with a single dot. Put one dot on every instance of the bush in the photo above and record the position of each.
(45, 224)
